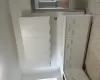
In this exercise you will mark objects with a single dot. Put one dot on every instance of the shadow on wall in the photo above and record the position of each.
(81, 4)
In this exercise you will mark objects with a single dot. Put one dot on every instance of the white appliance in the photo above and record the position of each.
(35, 32)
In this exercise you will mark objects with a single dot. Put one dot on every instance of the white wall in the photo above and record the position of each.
(16, 8)
(8, 55)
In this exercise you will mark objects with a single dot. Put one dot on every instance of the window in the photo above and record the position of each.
(51, 4)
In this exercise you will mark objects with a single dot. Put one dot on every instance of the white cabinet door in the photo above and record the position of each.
(77, 32)
(80, 34)
(67, 53)
(36, 41)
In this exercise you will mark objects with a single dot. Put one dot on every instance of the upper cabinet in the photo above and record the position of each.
(77, 31)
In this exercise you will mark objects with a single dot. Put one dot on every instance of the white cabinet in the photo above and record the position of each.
(77, 29)
(40, 42)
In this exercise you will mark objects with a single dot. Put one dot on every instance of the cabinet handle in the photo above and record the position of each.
(69, 27)
(71, 41)
(72, 32)
(67, 46)
(73, 21)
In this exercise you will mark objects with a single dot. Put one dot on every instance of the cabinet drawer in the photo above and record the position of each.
(69, 27)
(68, 42)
